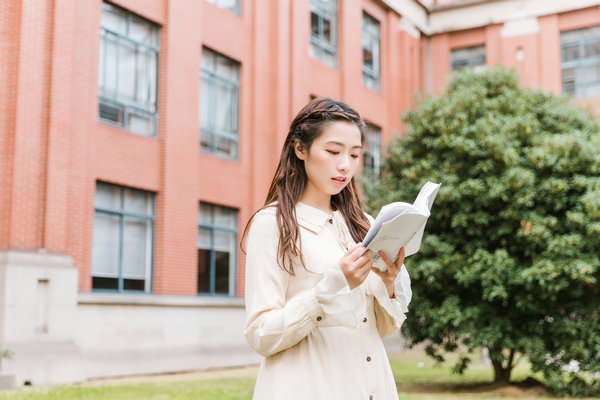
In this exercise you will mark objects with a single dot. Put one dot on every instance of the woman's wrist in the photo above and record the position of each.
(389, 285)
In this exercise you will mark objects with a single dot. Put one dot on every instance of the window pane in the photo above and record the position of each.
(473, 57)
(207, 92)
(224, 241)
(142, 31)
(219, 106)
(107, 196)
(592, 50)
(142, 75)
(137, 201)
(141, 123)
(225, 217)
(227, 68)
(372, 156)
(105, 283)
(588, 74)
(590, 33)
(114, 19)
(208, 60)
(226, 147)
(205, 216)
(571, 53)
(204, 240)
(108, 86)
(112, 112)
(592, 91)
(127, 71)
(136, 241)
(327, 31)
(207, 142)
(226, 98)
(314, 24)
(367, 58)
(203, 271)
(134, 284)
(105, 249)
(569, 36)
(222, 264)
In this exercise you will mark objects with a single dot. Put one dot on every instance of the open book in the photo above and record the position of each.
(400, 224)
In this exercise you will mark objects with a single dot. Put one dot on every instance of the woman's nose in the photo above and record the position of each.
(344, 164)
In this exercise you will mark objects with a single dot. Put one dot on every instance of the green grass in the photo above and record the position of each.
(227, 388)
(417, 377)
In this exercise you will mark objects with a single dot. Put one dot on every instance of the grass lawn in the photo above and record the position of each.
(416, 376)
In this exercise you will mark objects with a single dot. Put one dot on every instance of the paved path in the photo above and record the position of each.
(249, 371)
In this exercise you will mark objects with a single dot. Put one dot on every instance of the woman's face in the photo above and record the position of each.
(333, 158)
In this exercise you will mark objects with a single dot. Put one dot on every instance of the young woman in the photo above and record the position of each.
(317, 309)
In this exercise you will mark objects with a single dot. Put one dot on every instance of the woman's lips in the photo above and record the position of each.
(339, 180)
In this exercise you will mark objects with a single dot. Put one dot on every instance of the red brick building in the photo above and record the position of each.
(137, 137)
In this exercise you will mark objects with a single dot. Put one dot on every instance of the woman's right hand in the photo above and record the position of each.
(356, 266)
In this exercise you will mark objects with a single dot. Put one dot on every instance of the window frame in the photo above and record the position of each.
(212, 228)
(581, 62)
(471, 60)
(124, 106)
(371, 32)
(213, 77)
(370, 131)
(149, 269)
(318, 45)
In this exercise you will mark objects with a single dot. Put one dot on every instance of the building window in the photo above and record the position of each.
(473, 57)
(123, 239)
(128, 71)
(371, 58)
(580, 56)
(219, 104)
(233, 6)
(372, 152)
(217, 238)
(323, 32)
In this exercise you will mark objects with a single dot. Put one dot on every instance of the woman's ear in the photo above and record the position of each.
(299, 150)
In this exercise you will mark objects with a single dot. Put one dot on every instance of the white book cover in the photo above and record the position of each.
(399, 225)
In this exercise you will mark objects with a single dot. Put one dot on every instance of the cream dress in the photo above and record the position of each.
(320, 339)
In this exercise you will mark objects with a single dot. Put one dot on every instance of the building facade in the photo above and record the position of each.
(138, 137)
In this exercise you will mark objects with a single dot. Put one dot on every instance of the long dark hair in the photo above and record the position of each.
(290, 179)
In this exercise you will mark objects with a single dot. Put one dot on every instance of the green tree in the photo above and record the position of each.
(510, 257)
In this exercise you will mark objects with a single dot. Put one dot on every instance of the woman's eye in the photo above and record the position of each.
(354, 155)
(333, 152)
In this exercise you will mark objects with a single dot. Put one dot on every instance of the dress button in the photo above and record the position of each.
(371, 397)
(365, 319)
(319, 318)
(368, 359)
(331, 220)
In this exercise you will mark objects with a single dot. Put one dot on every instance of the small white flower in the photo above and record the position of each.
(572, 366)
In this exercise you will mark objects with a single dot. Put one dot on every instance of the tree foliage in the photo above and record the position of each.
(510, 257)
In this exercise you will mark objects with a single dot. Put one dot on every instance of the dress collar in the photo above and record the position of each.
(312, 218)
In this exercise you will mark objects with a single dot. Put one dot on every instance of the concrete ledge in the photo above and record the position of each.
(7, 382)
(158, 300)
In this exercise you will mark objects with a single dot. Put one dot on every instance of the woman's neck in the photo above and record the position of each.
(317, 200)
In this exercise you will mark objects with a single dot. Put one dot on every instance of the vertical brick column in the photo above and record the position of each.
(9, 56)
(60, 126)
(176, 204)
(27, 132)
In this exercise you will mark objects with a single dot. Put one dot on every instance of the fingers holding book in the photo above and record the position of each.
(355, 265)
(393, 267)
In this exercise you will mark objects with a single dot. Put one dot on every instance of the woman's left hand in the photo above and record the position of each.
(393, 269)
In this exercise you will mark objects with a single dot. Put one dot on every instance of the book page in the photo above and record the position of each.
(399, 225)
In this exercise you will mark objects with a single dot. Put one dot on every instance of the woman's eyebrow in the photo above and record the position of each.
(342, 144)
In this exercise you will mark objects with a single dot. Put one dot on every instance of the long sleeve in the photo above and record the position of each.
(390, 312)
(274, 322)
